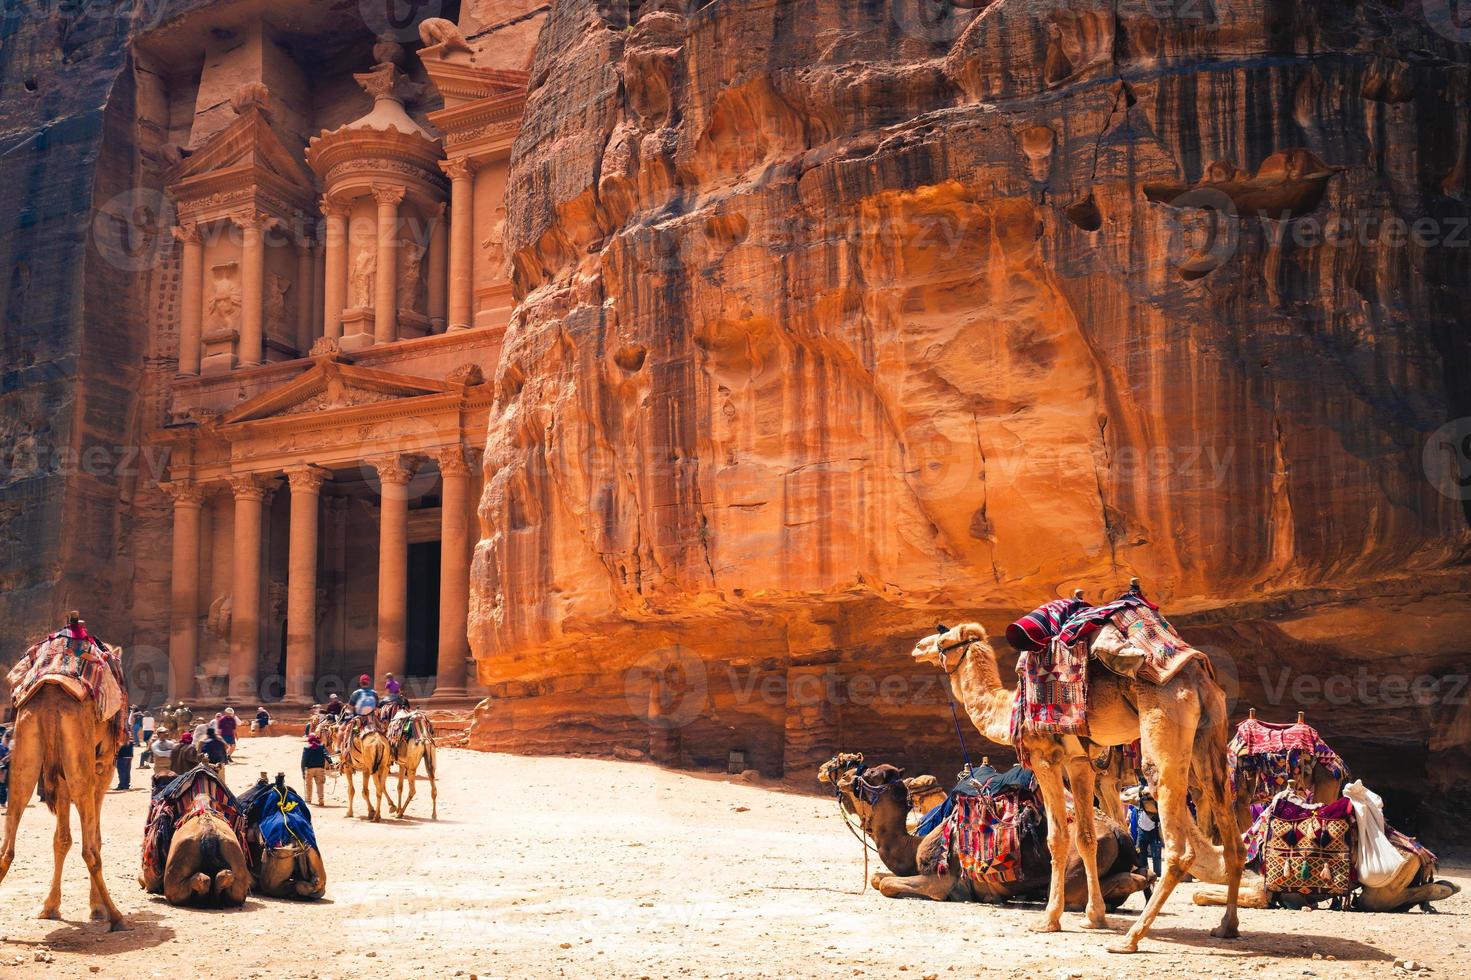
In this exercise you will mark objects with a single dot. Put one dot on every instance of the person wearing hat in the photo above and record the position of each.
(364, 700)
(333, 707)
(227, 727)
(185, 754)
(314, 768)
(163, 750)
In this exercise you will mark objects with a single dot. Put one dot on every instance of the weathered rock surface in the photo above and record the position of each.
(839, 319)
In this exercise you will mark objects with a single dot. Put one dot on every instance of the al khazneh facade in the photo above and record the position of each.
(343, 287)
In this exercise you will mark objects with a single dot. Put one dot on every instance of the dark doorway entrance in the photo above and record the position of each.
(423, 619)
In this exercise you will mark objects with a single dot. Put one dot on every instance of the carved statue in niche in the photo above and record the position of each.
(218, 620)
(223, 313)
(364, 268)
(276, 314)
(410, 276)
(494, 245)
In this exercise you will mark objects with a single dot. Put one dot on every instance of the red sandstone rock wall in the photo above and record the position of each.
(837, 319)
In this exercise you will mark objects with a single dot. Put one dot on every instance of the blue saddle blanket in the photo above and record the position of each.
(281, 823)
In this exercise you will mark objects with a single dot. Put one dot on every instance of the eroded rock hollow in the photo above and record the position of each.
(839, 320)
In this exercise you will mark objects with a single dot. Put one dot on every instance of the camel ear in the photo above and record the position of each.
(941, 628)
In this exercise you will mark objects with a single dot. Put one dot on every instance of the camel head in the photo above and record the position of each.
(838, 771)
(945, 647)
(865, 789)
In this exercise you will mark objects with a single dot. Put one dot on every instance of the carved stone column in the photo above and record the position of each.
(306, 291)
(251, 494)
(461, 241)
(184, 587)
(301, 582)
(456, 510)
(394, 474)
(252, 286)
(385, 293)
(438, 270)
(191, 296)
(334, 279)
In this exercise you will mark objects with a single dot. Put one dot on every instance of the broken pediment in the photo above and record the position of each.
(331, 385)
(247, 156)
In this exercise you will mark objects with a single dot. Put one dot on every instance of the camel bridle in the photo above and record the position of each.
(963, 646)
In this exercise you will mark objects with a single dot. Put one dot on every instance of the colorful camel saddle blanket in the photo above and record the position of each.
(80, 664)
(1057, 643)
(196, 792)
(1408, 844)
(1303, 848)
(1267, 758)
(410, 725)
(357, 728)
(987, 824)
(279, 816)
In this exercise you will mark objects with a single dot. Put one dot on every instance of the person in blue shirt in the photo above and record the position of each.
(364, 700)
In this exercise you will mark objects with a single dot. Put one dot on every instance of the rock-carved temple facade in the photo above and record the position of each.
(342, 290)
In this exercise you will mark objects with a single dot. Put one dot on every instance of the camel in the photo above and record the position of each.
(292, 867)
(367, 753)
(912, 861)
(63, 745)
(1414, 884)
(1182, 726)
(411, 738)
(206, 864)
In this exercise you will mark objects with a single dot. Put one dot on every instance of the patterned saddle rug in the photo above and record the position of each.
(80, 664)
(1052, 696)
(1304, 849)
(277, 818)
(188, 796)
(1266, 758)
(990, 816)
(359, 726)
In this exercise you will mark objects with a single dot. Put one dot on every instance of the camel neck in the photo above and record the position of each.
(898, 848)
(977, 686)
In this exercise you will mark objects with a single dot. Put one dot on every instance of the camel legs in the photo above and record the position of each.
(25, 771)
(413, 775)
(60, 845)
(347, 775)
(1168, 744)
(936, 888)
(1049, 781)
(1085, 837)
(380, 785)
(89, 808)
(433, 786)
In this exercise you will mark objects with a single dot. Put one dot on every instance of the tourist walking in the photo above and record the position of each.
(124, 762)
(314, 769)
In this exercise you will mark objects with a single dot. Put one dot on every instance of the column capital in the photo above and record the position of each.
(395, 468)
(250, 218)
(188, 233)
(186, 493)
(459, 168)
(452, 462)
(307, 478)
(387, 194)
(249, 486)
(334, 207)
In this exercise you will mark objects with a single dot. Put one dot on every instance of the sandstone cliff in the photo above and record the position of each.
(840, 319)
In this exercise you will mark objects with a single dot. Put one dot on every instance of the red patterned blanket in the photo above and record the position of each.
(80, 664)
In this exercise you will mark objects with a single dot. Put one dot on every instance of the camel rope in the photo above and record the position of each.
(862, 838)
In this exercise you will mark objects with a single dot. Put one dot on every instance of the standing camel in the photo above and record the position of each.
(67, 747)
(1181, 724)
(411, 736)
(366, 752)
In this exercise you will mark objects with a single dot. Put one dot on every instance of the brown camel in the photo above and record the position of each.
(1412, 885)
(205, 865)
(366, 753)
(63, 745)
(292, 872)
(913, 861)
(411, 738)
(1181, 725)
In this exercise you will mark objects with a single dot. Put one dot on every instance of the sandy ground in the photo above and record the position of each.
(574, 867)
